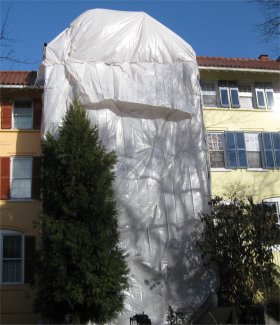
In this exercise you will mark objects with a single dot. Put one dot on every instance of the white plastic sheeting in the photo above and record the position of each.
(139, 82)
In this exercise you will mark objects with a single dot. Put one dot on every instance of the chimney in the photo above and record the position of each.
(263, 57)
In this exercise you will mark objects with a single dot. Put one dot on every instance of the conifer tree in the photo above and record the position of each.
(81, 271)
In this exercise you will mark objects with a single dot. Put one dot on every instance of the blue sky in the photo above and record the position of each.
(213, 28)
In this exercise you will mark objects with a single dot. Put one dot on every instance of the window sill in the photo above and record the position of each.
(14, 286)
(21, 200)
(213, 169)
(240, 109)
(257, 170)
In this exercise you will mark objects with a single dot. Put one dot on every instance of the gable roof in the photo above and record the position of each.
(263, 63)
(18, 78)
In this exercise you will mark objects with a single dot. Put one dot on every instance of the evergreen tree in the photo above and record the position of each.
(81, 271)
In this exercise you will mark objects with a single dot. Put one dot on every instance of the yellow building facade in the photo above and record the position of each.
(241, 107)
(20, 150)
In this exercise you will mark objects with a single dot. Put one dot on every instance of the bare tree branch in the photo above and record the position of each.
(7, 52)
(270, 28)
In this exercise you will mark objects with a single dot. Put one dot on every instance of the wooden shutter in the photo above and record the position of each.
(37, 113)
(276, 146)
(231, 150)
(29, 258)
(6, 116)
(4, 178)
(241, 150)
(268, 150)
(36, 176)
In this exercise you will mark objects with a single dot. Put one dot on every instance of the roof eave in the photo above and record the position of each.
(238, 69)
(20, 87)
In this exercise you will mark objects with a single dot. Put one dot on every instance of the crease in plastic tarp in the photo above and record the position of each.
(139, 84)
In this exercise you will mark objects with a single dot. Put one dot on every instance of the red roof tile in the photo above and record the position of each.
(27, 78)
(264, 64)
(22, 78)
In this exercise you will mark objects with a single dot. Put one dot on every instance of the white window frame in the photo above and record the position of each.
(223, 150)
(3, 233)
(13, 114)
(246, 94)
(12, 177)
(209, 92)
(274, 200)
(264, 90)
(228, 87)
(258, 134)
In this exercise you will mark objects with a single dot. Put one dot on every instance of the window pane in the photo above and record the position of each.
(224, 97)
(216, 148)
(260, 98)
(12, 246)
(22, 115)
(234, 97)
(209, 100)
(254, 159)
(217, 159)
(12, 271)
(21, 188)
(252, 141)
(22, 167)
(270, 98)
(246, 102)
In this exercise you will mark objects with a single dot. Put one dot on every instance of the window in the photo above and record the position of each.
(244, 150)
(11, 256)
(275, 204)
(245, 95)
(228, 94)
(253, 150)
(21, 178)
(22, 115)
(216, 149)
(264, 95)
(208, 90)
(235, 94)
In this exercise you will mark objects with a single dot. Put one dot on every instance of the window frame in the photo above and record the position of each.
(4, 233)
(261, 150)
(264, 88)
(228, 86)
(274, 200)
(221, 133)
(210, 92)
(13, 114)
(246, 94)
(12, 177)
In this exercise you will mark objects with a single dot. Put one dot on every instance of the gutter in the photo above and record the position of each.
(20, 87)
(238, 69)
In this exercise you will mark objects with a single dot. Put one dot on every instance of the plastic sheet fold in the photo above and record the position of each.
(139, 83)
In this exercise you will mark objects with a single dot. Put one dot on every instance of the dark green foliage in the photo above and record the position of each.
(177, 317)
(238, 238)
(81, 271)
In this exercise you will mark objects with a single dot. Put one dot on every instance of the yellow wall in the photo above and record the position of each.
(260, 184)
(16, 300)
